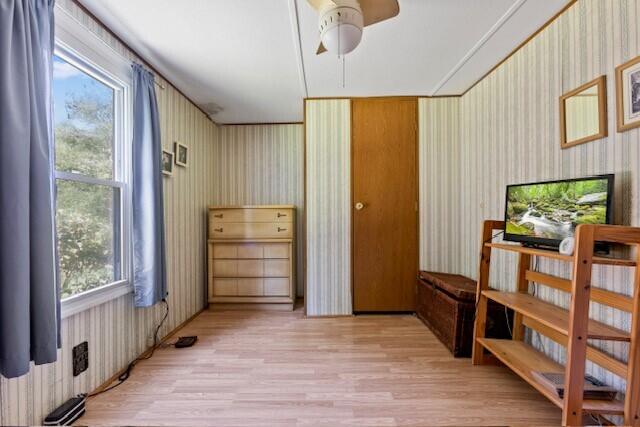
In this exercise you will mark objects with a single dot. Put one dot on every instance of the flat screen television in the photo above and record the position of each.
(544, 213)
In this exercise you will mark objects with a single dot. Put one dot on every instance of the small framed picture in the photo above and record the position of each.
(167, 162)
(181, 152)
(628, 94)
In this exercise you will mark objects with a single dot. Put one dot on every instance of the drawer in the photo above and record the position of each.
(250, 215)
(250, 250)
(276, 268)
(225, 287)
(256, 230)
(250, 268)
(224, 250)
(238, 251)
(225, 268)
(250, 287)
(276, 250)
(238, 268)
(276, 287)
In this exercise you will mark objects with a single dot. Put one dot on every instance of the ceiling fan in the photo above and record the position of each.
(341, 21)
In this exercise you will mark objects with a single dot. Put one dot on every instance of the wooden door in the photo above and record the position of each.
(384, 181)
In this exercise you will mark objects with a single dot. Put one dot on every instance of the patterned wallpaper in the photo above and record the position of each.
(116, 331)
(439, 150)
(328, 204)
(262, 165)
(509, 133)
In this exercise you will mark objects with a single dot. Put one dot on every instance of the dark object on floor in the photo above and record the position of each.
(68, 412)
(594, 389)
(185, 342)
(446, 304)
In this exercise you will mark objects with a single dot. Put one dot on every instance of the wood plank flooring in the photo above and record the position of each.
(282, 369)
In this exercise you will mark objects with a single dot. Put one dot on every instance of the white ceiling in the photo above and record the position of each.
(256, 58)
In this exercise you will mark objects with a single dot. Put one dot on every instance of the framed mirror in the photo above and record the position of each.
(583, 113)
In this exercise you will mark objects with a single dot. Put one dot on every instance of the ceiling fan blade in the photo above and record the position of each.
(374, 11)
(321, 49)
(319, 4)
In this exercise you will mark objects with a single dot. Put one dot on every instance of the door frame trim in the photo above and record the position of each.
(416, 100)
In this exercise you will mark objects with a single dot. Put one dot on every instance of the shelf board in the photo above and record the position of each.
(557, 255)
(551, 315)
(523, 359)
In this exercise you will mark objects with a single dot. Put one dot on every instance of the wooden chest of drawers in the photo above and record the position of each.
(251, 255)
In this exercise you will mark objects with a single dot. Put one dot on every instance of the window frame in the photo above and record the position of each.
(86, 51)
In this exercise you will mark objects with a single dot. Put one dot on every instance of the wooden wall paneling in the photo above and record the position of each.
(262, 165)
(328, 207)
(439, 151)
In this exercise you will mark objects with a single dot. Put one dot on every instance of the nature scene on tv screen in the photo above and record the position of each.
(553, 210)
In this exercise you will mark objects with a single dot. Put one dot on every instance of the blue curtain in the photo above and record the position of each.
(29, 304)
(150, 279)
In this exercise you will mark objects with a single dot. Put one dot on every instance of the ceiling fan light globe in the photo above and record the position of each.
(342, 39)
(341, 27)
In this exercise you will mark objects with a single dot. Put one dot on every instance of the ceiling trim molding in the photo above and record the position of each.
(298, 47)
(324, 98)
(521, 45)
(474, 50)
(297, 41)
(260, 124)
(140, 57)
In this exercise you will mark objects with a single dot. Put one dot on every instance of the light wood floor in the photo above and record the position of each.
(273, 369)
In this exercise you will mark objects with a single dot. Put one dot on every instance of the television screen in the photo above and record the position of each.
(546, 212)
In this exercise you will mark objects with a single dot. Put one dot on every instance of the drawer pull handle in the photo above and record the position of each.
(280, 215)
(281, 229)
(219, 230)
(218, 215)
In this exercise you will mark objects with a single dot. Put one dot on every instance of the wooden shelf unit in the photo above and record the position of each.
(571, 328)
(557, 255)
(553, 316)
(524, 359)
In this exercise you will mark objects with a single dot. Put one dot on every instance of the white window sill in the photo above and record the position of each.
(84, 301)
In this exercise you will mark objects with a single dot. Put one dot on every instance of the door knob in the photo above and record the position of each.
(359, 206)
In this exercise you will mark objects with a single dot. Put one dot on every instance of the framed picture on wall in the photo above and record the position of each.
(167, 163)
(628, 94)
(181, 152)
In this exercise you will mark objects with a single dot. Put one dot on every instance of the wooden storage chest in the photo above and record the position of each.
(446, 304)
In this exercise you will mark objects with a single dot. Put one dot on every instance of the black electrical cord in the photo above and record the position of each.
(127, 373)
(493, 237)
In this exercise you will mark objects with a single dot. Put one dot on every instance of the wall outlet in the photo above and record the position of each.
(80, 358)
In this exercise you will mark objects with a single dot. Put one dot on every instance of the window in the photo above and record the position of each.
(90, 172)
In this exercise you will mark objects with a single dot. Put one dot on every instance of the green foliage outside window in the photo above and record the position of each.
(86, 214)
